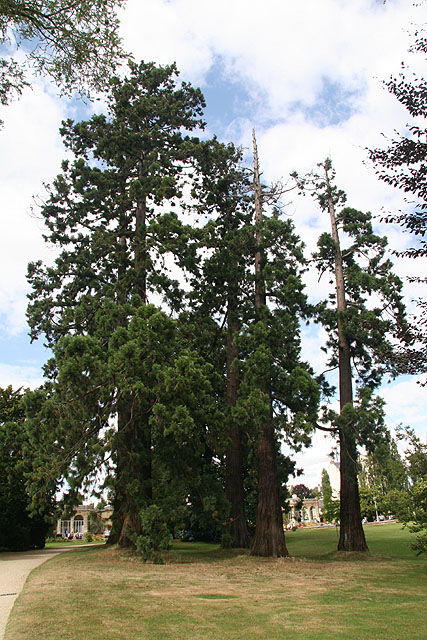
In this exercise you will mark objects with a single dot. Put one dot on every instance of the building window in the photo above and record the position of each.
(78, 525)
(65, 528)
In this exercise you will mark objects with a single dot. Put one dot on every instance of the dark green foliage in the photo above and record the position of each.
(135, 392)
(166, 382)
(220, 288)
(364, 418)
(18, 531)
(418, 517)
(155, 536)
(262, 349)
(301, 491)
(383, 470)
(415, 516)
(398, 486)
(276, 379)
(368, 503)
(270, 344)
(374, 316)
(396, 502)
(107, 219)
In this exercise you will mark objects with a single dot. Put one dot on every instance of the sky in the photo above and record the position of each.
(306, 75)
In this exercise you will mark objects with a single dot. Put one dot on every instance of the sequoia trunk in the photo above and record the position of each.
(269, 534)
(133, 486)
(352, 536)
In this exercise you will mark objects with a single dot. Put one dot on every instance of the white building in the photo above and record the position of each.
(79, 523)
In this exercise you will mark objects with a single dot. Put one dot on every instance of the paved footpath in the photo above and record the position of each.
(14, 570)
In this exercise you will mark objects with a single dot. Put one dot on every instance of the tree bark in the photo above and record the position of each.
(352, 536)
(269, 533)
(133, 486)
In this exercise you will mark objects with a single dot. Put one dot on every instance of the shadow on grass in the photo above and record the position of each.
(200, 552)
(389, 541)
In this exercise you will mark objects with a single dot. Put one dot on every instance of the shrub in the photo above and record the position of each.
(155, 537)
(227, 541)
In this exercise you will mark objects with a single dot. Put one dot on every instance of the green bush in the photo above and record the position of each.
(227, 541)
(155, 536)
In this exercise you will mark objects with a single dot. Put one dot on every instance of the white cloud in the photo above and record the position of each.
(282, 56)
(24, 375)
(405, 403)
(31, 154)
(160, 32)
(283, 51)
(312, 461)
(313, 338)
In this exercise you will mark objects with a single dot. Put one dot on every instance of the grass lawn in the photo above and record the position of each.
(70, 543)
(205, 593)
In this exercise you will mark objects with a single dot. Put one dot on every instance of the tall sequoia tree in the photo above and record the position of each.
(106, 212)
(267, 388)
(219, 289)
(363, 317)
(269, 535)
(278, 389)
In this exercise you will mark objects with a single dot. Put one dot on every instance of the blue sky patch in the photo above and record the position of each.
(226, 99)
(334, 104)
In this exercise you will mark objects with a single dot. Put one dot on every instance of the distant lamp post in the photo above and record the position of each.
(376, 510)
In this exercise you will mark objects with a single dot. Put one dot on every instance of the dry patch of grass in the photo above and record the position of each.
(101, 593)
